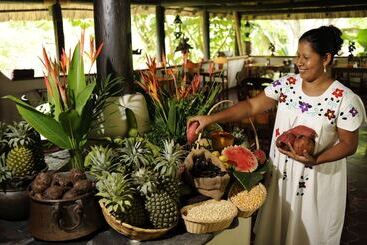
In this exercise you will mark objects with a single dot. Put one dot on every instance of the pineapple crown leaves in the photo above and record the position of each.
(146, 181)
(116, 191)
(100, 159)
(5, 173)
(20, 134)
(135, 153)
(168, 162)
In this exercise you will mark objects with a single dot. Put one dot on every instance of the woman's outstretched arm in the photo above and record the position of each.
(237, 112)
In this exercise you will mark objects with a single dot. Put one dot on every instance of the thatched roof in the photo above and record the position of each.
(268, 9)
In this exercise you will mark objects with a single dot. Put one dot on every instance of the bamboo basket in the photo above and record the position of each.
(198, 227)
(246, 212)
(132, 232)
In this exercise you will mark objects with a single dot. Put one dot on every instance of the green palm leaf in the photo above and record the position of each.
(44, 124)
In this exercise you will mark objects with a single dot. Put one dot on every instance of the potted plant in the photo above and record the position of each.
(170, 109)
(76, 102)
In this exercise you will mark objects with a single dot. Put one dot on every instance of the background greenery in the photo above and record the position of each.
(22, 44)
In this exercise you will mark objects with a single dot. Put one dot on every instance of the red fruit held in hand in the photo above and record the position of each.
(303, 143)
(191, 132)
(284, 139)
(260, 156)
(303, 130)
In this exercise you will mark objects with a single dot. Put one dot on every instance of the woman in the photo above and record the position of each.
(307, 194)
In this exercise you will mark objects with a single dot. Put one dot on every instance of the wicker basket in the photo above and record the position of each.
(132, 232)
(199, 227)
(246, 212)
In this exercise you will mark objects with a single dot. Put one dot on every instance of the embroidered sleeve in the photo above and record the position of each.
(276, 89)
(352, 113)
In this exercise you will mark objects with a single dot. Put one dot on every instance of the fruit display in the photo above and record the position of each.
(206, 173)
(139, 184)
(301, 138)
(53, 185)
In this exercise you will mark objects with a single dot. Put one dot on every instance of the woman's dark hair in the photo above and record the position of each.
(323, 40)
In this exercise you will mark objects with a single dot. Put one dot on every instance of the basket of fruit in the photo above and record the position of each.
(133, 232)
(206, 173)
(208, 216)
(139, 188)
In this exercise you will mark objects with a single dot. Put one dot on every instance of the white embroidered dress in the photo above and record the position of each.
(306, 205)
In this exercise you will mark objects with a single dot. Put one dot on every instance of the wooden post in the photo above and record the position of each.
(206, 36)
(112, 20)
(58, 28)
(237, 21)
(161, 49)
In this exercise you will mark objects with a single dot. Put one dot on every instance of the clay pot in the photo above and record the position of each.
(14, 204)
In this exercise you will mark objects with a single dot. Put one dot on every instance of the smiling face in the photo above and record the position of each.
(310, 64)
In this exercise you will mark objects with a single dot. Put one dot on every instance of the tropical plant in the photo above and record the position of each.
(171, 109)
(75, 99)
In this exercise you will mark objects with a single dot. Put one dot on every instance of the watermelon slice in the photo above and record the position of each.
(241, 157)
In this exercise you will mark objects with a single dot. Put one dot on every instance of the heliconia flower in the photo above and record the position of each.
(46, 60)
(93, 54)
(64, 62)
(195, 83)
(48, 86)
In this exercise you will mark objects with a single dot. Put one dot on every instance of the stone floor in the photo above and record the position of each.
(355, 225)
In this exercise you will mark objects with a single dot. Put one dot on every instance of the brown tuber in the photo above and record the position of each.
(303, 143)
(83, 186)
(70, 194)
(54, 192)
(76, 174)
(41, 182)
(62, 180)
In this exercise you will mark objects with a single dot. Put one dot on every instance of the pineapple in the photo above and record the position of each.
(136, 214)
(162, 210)
(21, 159)
(116, 191)
(171, 186)
(170, 159)
(168, 164)
(146, 181)
(100, 159)
(5, 174)
(135, 154)
(118, 195)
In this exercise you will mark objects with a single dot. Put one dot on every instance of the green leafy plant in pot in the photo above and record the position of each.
(76, 102)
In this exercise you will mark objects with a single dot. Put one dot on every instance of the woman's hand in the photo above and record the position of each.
(202, 120)
(306, 159)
